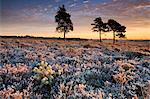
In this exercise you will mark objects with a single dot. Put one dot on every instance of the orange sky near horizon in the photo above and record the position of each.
(141, 33)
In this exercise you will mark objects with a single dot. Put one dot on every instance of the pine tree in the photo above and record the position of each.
(116, 28)
(99, 26)
(64, 22)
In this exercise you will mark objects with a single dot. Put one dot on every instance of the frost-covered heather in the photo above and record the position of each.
(55, 69)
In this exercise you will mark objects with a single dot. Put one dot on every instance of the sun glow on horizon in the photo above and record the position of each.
(79, 32)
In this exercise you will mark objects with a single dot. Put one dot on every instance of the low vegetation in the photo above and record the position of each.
(74, 69)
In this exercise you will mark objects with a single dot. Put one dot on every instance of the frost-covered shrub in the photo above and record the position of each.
(42, 72)
(132, 55)
(14, 80)
(17, 76)
(97, 77)
(67, 60)
(44, 78)
(131, 83)
(11, 93)
(72, 52)
(71, 91)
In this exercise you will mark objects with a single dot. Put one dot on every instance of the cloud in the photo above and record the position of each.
(31, 15)
(132, 13)
(142, 6)
(72, 5)
(86, 1)
(57, 0)
(129, 12)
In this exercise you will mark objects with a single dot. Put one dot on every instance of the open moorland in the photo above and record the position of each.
(84, 69)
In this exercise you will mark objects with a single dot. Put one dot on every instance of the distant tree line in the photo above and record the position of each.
(65, 25)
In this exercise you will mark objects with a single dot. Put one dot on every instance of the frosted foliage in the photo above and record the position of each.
(55, 69)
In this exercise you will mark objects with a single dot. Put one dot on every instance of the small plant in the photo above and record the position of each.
(120, 78)
(124, 73)
(127, 66)
(44, 73)
(44, 77)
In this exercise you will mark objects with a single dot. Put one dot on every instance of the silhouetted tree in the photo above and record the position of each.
(121, 31)
(99, 26)
(116, 28)
(64, 22)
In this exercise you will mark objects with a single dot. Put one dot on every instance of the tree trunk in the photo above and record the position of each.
(64, 35)
(113, 37)
(100, 38)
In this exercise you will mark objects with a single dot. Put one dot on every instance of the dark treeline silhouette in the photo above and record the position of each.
(46, 38)
(65, 25)
(56, 38)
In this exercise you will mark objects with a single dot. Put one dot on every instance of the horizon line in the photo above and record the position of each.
(46, 37)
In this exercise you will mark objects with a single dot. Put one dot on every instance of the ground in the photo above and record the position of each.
(57, 69)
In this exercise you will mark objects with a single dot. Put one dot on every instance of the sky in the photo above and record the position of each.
(37, 17)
